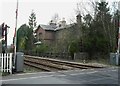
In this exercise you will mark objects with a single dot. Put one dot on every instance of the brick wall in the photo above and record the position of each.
(65, 36)
(46, 36)
(60, 39)
(0, 38)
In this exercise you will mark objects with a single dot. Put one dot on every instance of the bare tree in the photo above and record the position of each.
(55, 18)
(84, 8)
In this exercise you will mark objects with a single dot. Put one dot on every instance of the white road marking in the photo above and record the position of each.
(50, 75)
(36, 73)
(114, 70)
(26, 78)
(45, 76)
(61, 75)
(84, 73)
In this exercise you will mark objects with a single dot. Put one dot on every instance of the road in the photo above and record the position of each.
(89, 76)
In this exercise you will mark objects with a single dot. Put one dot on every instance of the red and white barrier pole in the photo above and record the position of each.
(15, 34)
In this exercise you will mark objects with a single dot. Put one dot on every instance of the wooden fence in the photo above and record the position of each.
(6, 63)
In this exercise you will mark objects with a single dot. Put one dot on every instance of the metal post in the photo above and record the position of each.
(118, 49)
(6, 37)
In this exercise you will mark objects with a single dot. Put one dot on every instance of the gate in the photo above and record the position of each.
(6, 63)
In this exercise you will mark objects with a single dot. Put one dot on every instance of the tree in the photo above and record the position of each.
(32, 20)
(88, 20)
(115, 23)
(24, 34)
(104, 17)
(55, 18)
(98, 30)
(73, 48)
(32, 24)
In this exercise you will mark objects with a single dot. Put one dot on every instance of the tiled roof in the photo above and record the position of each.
(48, 27)
(53, 28)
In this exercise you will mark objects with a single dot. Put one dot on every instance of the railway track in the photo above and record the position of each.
(46, 64)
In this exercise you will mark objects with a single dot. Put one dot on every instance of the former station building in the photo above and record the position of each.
(58, 34)
(0, 38)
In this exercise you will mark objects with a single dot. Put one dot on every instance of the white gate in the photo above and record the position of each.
(6, 63)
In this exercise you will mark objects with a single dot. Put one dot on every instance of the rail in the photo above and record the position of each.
(52, 64)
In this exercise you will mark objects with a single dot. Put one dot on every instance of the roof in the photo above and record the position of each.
(53, 27)
(48, 27)
(63, 27)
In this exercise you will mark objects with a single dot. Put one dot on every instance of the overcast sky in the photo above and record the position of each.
(44, 10)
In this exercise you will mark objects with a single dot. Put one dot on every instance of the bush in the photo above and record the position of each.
(73, 48)
(41, 48)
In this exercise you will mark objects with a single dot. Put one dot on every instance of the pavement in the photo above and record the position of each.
(85, 76)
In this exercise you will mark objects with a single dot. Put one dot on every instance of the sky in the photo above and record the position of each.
(44, 9)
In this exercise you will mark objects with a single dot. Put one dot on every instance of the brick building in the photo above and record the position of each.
(47, 33)
(59, 36)
(0, 38)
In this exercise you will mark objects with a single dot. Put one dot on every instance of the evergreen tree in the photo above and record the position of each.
(24, 38)
(98, 31)
(32, 20)
(32, 24)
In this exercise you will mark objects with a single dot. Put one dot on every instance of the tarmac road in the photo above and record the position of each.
(87, 77)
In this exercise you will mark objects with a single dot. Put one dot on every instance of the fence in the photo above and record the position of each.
(50, 55)
(6, 63)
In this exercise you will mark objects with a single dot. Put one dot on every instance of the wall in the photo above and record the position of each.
(0, 38)
(81, 56)
(42, 31)
(46, 36)
(49, 35)
(65, 36)
(59, 40)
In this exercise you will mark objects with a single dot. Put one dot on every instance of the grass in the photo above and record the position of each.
(28, 69)
(4, 74)
(95, 61)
